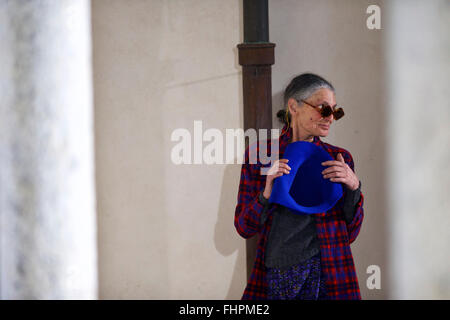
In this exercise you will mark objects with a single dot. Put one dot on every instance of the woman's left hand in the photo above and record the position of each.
(340, 172)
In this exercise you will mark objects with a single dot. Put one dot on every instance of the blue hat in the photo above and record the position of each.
(304, 190)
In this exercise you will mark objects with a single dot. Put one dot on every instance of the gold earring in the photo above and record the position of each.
(287, 117)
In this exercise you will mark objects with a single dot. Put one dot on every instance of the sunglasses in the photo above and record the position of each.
(326, 110)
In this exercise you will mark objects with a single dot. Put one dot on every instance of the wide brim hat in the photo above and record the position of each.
(304, 190)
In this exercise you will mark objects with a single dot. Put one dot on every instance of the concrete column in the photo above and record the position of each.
(47, 193)
(418, 132)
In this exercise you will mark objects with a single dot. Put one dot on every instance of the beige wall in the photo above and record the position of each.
(166, 231)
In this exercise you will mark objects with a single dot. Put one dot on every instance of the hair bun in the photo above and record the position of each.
(281, 115)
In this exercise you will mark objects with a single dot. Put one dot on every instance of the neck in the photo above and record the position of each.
(298, 135)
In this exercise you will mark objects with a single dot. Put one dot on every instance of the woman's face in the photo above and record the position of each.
(308, 119)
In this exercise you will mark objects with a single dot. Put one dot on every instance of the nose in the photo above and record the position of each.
(330, 118)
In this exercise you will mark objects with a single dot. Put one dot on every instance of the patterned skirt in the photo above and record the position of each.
(302, 281)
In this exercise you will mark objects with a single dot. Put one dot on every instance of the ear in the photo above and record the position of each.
(292, 105)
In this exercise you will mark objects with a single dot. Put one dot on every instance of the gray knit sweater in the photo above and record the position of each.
(292, 238)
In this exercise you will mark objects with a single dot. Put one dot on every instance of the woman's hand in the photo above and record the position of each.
(340, 172)
(279, 168)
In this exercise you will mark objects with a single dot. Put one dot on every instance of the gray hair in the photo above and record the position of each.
(301, 88)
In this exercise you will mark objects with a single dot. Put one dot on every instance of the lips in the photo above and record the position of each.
(324, 126)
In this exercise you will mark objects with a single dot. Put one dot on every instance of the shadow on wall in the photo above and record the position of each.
(226, 243)
(226, 238)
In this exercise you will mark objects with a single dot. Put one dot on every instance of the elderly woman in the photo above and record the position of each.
(302, 256)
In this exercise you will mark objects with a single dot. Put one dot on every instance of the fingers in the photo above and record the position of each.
(337, 170)
(282, 164)
(284, 168)
(277, 173)
(337, 174)
(279, 168)
(334, 163)
(333, 169)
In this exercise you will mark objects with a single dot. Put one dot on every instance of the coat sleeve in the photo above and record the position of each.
(354, 226)
(248, 209)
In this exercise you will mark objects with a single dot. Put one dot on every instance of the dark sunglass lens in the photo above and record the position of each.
(339, 113)
(326, 110)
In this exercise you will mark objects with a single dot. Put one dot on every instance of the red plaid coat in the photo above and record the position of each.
(334, 234)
